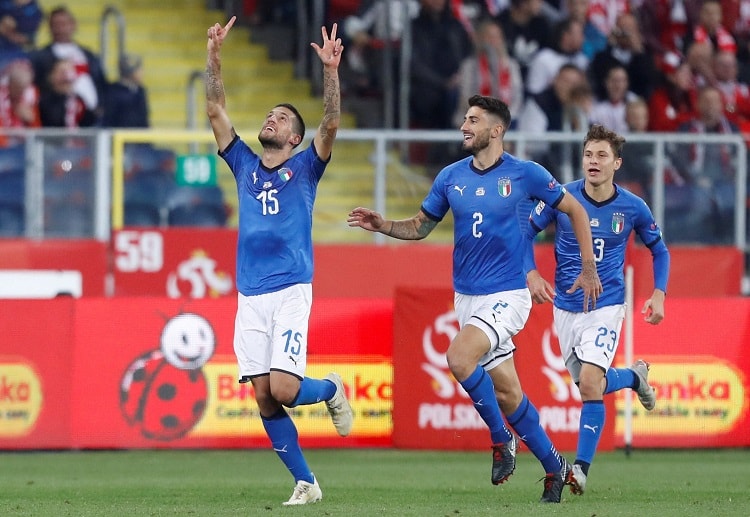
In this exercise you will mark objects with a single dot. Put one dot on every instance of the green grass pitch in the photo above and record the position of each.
(365, 482)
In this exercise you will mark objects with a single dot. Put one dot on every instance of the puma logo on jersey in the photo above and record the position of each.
(460, 189)
(255, 177)
(594, 223)
(591, 428)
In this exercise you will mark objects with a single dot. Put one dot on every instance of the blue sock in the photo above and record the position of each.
(479, 387)
(590, 429)
(619, 378)
(525, 421)
(312, 391)
(283, 434)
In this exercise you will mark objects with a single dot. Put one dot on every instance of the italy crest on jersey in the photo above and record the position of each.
(618, 222)
(285, 174)
(503, 186)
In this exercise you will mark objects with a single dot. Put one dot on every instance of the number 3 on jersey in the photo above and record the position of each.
(269, 201)
(598, 249)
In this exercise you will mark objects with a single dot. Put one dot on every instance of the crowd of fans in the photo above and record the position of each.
(635, 66)
(61, 84)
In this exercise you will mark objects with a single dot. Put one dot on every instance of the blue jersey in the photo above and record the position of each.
(612, 222)
(490, 212)
(274, 246)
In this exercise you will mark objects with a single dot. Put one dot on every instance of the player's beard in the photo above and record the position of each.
(270, 142)
(480, 142)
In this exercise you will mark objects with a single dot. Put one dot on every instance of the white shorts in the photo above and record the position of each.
(270, 332)
(500, 316)
(589, 337)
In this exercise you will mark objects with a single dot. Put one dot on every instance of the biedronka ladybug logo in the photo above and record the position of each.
(163, 392)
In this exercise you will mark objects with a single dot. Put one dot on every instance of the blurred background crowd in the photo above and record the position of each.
(635, 66)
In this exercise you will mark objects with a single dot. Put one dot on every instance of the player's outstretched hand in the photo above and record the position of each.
(217, 33)
(541, 290)
(330, 52)
(589, 281)
(365, 218)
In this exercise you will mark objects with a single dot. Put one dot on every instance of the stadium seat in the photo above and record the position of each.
(12, 158)
(145, 198)
(689, 214)
(12, 222)
(196, 206)
(64, 219)
(145, 158)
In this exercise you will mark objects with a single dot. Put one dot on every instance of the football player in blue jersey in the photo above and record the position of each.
(490, 194)
(276, 192)
(588, 340)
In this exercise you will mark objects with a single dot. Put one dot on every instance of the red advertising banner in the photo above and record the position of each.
(432, 411)
(87, 256)
(700, 368)
(156, 372)
(178, 263)
(36, 373)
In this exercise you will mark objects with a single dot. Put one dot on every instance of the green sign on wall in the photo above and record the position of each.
(196, 170)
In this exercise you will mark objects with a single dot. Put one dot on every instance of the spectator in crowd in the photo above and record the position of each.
(610, 111)
(491, 72)
(736, 94)
(707, 38)
(19, 98)
(126, 101)
(563, 106)
(9, 38)
(526, 30)
(59, 103)
(625, 47)
(27, 15)
(673, 101)
(706, 162)
(665, 23)
(439, 44)
(710, 167)
(567, 36)
(365, 33)
(594, 39)
(89, 80)
(736, 16)
(603, 14)
(635, 174)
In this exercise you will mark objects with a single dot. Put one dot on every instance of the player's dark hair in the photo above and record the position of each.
(599, 133)
(492, 105)
(299, 123)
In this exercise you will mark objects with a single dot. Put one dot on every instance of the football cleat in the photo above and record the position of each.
(339, 407)
(646, 394)
(305, 493)
(555, 482)
(577, 480)
(503, 460)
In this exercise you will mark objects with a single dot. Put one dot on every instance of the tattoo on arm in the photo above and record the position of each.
(331, 105)
(214, 84)
(416, 228)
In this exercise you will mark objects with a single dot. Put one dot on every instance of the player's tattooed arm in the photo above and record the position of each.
(416, 228)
